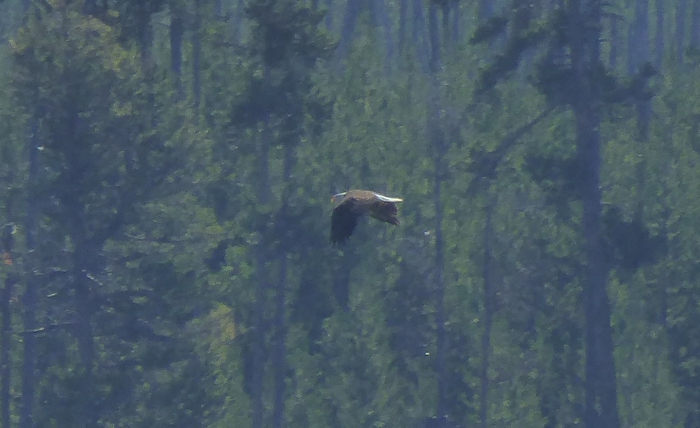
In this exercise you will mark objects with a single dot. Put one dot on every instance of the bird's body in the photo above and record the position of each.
(356, 203)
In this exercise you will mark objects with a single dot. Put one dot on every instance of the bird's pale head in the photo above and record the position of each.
(338, 197)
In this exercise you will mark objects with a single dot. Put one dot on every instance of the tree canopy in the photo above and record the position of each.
(166, 172)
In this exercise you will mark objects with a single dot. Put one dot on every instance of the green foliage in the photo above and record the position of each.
(178, 245)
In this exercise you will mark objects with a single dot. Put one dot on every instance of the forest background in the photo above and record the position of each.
(166, 168)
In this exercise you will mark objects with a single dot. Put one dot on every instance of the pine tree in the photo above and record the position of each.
(571, 74)
(116, 158)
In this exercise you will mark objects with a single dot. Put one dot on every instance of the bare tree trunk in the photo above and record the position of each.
(403, 18)
(695, 25)
(145, 38)
(614, 44)
(638, 39)
(600, 382)
(456, 22)
(197, 57)
(279, 357)
(446, 24)
(259, 331)
(438, 151)
(89, 7)
(5, 309)
(264, 198)
(420, 41)
(84, 333)
(434, 37)
(353, 8)
(485, 10)
(237, 20)
(382, 20)
(29, 299)
(644, 107)
(681, 12)
(329, 15)
(177, 29)
(488, 315)
(440, 316)
(660, 41)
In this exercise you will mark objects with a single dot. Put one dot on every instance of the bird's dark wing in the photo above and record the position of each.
(385, 211)
(343, 222)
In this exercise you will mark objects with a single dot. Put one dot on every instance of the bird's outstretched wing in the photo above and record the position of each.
(343, 222)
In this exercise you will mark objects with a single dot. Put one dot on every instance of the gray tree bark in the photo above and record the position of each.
(488, 313)
(695, 25)
(438, 150)
(5, 309)
(29, 299)
(177, 30)
(197, 57)
(418, 35)
(279, 360)
(353, 8)
(381, 20)
(660, 41)
(681, 13)
(638, 39)
(601, 409)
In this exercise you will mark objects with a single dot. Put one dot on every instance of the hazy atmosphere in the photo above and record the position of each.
(178, 250)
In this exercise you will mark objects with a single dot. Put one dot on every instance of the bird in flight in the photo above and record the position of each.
(356, 203)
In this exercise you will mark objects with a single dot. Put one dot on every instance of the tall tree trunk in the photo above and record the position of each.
(614, 44)
(329, 15)
(440, 316)
(279, 358)
(418, 35)
(197, 57)
(438, 151)
(644, 107)
(259, 332)
(382, 20)
(264, 198)
(695, 25)
(638, 39)
(446, 24)
(600, 382)
(488, 314)
(29, 299)
(456, 22)
(5, 309)
(145, 37)
(660, 41)
(237, 21)
(485, 9)
(89, 7)
(681, 12)
(84, 332)
(280, 355)
(177, 29)
(434, 33)
(353, 8)
(403, 18)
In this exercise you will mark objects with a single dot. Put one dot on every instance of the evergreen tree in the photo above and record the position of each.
(572, 74)
(116, 156)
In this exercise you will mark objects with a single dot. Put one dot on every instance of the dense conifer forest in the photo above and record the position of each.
(166, 171)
